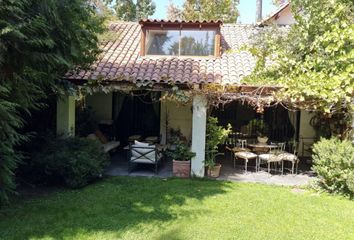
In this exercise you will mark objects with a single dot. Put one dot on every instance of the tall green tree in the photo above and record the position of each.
(314, 61)
(127, 10)
(225, 10)
(173, 12)
(144, 9)
(40, 41)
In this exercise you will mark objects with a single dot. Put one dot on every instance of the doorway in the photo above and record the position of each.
(136, 114)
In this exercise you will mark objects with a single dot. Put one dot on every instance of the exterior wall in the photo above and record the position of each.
(306, 130)
(179, 117)
(285, 17)
(101, 103)
(66, 116)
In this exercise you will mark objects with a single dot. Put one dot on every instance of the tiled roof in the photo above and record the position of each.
(120, 60)
(176, 21)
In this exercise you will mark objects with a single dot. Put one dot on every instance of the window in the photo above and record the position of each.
(162, 42)
(197, 43)
(180, 42)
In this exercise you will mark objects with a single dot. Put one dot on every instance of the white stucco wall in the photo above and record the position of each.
(66, 116)
(101, 103)
(179, 117)
(285, 17)
(306, 130)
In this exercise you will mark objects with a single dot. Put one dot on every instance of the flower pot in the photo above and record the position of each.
(214, 171)
(181, 168)
(262, 140)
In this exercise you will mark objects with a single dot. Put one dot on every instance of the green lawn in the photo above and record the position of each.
(143, 208)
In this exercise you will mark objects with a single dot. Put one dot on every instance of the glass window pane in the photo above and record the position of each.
(162, 42)
(197, 43)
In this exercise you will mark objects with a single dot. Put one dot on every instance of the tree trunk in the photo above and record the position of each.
(258, 10)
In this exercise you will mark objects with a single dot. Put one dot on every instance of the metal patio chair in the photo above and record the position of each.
(144, 154)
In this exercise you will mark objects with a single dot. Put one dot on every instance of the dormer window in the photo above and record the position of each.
(180, 39)
(180, 43)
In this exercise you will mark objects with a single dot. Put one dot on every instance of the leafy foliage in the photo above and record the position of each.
(127, 10)
(259, 127)
(181, 152)
(85, 122)
(225, 10)
(279, 2)
(144, 9)
(173, 12)
(73, 161)
(215, 135)
(313, 62)
(334, 163)
(40, 40)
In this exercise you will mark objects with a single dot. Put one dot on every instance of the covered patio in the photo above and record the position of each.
(119, 167)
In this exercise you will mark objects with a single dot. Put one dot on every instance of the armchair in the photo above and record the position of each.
(143, 153)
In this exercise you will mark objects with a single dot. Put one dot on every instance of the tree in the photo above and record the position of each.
(278, 3)
(314, 61)
(127, 10)
(259, 10)
(40, 41)
(173, 12)
(100, 7)
(144, 9)
(225, 10)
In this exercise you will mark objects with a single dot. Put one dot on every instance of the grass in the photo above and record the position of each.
(143, 208)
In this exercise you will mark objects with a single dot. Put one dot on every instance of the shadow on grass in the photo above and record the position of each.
(115, 205)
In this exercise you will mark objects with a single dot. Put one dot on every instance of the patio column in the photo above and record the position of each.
(66, 116)
(198, 135)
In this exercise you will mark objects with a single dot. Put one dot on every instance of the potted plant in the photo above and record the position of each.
(181, 158)
(215, 135)
(261, 128)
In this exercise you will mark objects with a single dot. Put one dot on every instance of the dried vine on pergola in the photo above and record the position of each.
(258, 97)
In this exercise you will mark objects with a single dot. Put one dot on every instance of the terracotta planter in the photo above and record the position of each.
(181, 168)
(214, 171)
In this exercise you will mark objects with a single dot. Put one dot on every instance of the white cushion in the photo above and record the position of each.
(264, 156)
(152, 139)
(141, 144)
(245, 155)
(142, 160)
(92, 136)
(110, 146)
(269, 157)
(288, 157)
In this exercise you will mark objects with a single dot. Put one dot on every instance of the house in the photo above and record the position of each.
(148, 58)
(282, 16)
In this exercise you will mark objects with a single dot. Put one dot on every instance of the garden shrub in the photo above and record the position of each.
(334, 164)
(73, 161)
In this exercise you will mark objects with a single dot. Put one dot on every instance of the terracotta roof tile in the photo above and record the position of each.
(120, 60)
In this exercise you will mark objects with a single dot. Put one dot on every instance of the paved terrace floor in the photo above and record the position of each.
(119, 167)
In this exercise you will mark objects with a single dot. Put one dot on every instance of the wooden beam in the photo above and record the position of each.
(217, 49)
(142, 42)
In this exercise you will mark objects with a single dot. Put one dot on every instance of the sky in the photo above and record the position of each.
(247, 9)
